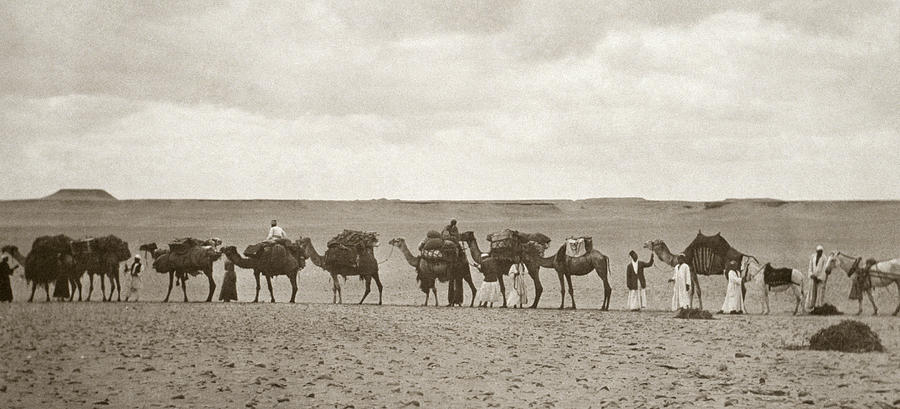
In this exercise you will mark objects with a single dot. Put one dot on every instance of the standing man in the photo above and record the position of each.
(816, 273)
(135, 284)
(634, 278)
(5, 286)
(681, 280)
(275, 232)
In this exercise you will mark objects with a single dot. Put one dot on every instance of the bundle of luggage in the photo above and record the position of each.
(180, 257)
(579, 246)
(254, 250)
(344, 249)
(437, 248)
(182, 245)
(505, 244)
(84, 246)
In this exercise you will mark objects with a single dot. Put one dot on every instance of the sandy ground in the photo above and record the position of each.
(260, 355)
(150, 354)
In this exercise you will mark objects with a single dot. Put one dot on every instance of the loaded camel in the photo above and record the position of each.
(49, 259)
(427, 270)
(103, 260)
(778, 280)
(706, 255)
(567, 266)
(193, 259)
(280, 258)
(501, 265)
(366, 268)
(877, 273)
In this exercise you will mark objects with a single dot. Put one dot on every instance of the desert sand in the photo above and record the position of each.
(150, 354)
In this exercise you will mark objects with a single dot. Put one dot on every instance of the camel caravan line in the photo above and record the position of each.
(440, 258)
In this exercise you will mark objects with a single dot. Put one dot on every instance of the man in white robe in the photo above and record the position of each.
(681, 290)
(817, 276)
(275, 232)
(734, 297)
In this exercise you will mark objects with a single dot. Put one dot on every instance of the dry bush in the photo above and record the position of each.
(847, 336)
(694, 314)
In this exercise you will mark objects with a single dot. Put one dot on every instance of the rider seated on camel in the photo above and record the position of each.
(275, 232)
(451, 232)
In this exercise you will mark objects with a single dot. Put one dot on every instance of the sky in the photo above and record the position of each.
(465, 100)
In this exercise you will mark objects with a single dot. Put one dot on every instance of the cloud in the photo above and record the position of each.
(427, 100)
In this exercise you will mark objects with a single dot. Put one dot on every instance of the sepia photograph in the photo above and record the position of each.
(450, 204)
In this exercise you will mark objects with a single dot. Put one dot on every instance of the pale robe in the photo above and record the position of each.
(817, 271)
(275, 232)
(734, 298)
(637, 299)
(519, 295)
(681, 297)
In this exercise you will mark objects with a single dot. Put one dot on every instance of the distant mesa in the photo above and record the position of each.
(80, 194)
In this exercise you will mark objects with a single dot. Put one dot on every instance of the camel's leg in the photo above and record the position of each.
(368, 288)
(434, 289)
(47, 290)
(335, 289)
(871, 300)
(293, 278)
(73, 285)
(607, 289)
(571, 290)
(427, 297)
(765, 299)
(381, 287)
(538, 288)
(269, 284)
(696, 285)
(562, 290)
(502, 291)
(171, 276)
(256, 276)
(117, 286)
(798, 298)
(184, 286)
(91, 288)
(103, 288)
(212, 286)
(468, 279)
(79, 288)
(33, 288)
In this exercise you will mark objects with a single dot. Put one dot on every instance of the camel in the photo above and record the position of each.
(193, 261)
(103, 261)
(567, 267)
(429, 270)
(502, 266)
(881, 274)
(790, 278)
(285, 259)
(366, 269)
(662, 252)
(49, 258)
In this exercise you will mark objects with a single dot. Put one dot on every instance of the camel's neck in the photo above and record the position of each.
(314, 256)
(547, 262)
(662, 252)
(19, 257)
(474, 250)
(410, 258)
(238, 260)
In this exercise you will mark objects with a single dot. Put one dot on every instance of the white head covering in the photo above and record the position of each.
(820, 248)
(137, 256)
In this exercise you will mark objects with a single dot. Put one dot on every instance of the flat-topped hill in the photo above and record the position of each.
(80, 194)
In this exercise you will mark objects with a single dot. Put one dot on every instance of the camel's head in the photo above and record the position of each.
(10, 249)
(397, 242)
(467, 236)
(229, 250)
(652, 244)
